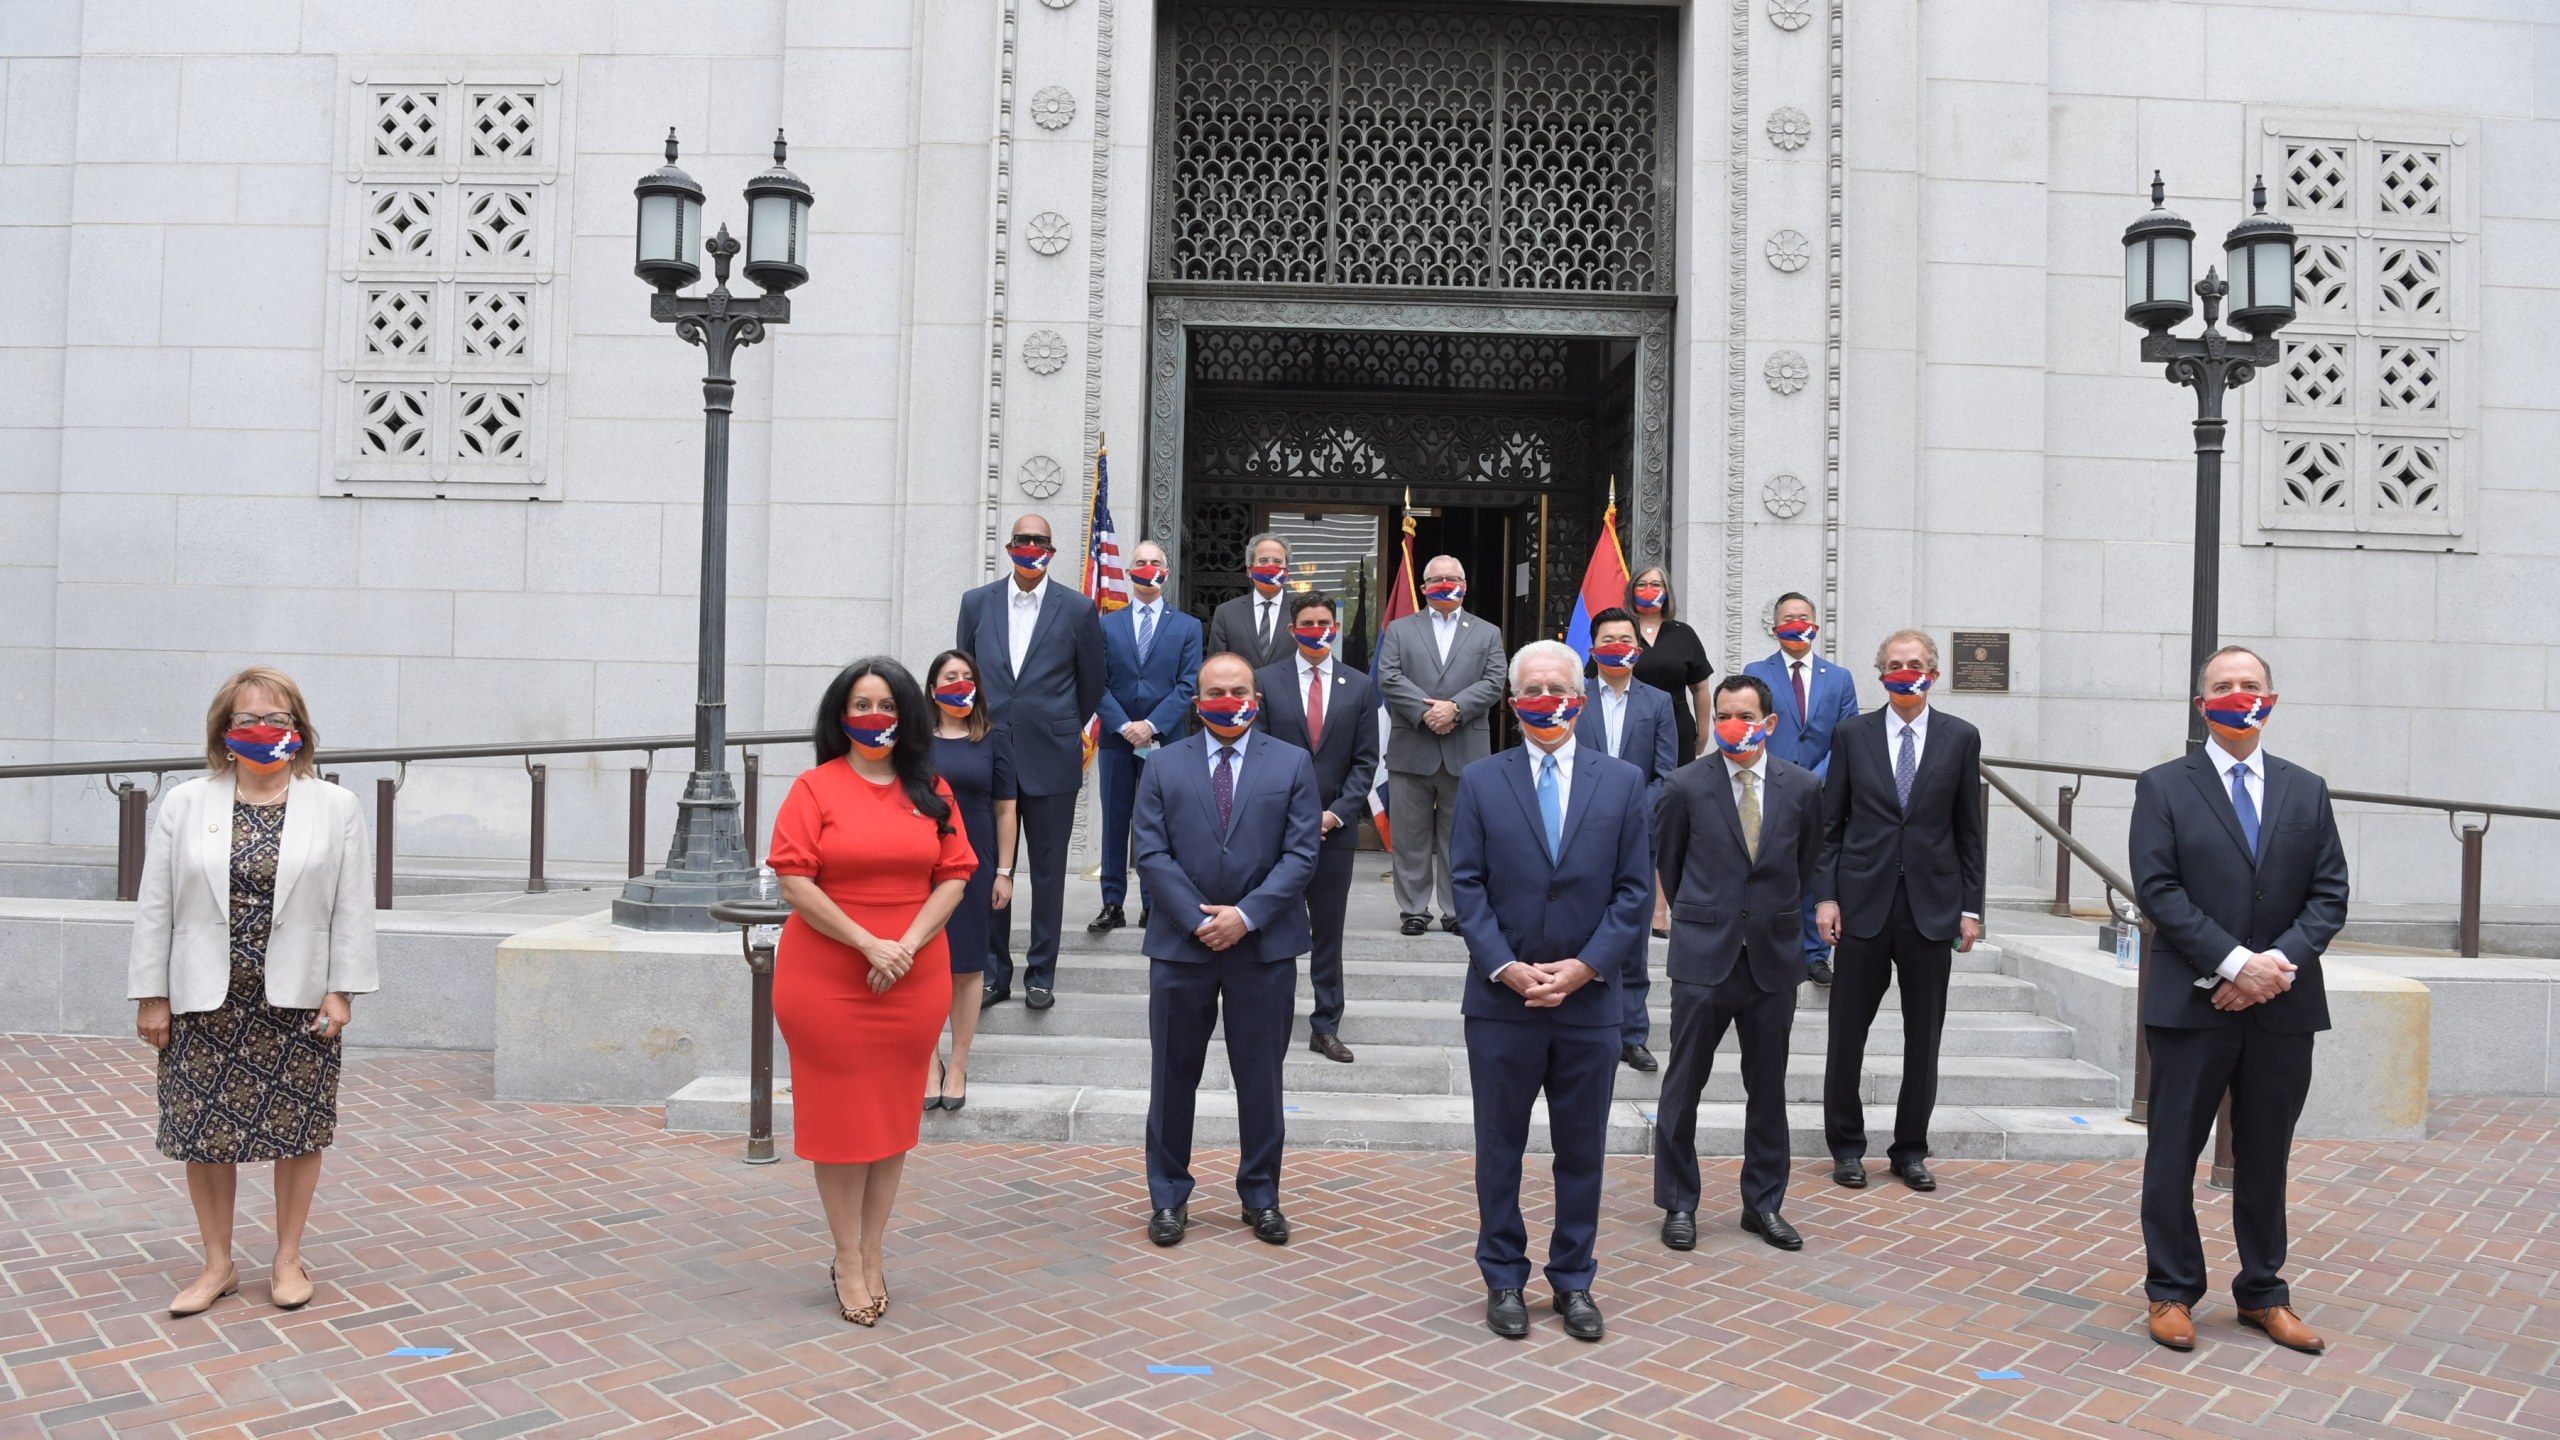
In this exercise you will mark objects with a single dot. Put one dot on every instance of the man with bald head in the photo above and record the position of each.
(1440, 671)
(1040, 666)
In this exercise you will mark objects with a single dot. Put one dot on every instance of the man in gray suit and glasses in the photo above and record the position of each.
(1441, 671)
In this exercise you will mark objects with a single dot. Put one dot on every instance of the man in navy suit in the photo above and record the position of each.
(1814, 698)
(1150, 653)
(1328, 710)
(2236, 861)
(1632, 721)
(1039, 651)
(1553, 880)
(1226, 840)
(1737, 837)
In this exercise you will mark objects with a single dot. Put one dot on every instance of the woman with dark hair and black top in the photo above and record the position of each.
(975, 758)
(873, 859)
(1674, 659)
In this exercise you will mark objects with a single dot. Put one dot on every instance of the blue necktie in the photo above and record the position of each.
(2248, 809)
(1904, 767)
(1551, 806)
(1146, 631)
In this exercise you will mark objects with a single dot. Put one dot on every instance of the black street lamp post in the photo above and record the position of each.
(2159, 251)
(708, 861)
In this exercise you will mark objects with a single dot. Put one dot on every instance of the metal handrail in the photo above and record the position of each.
(2107, 874)
(401, 754)
(2362, 797)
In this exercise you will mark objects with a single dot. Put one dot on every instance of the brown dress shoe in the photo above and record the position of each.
(2172, 1325)
(2285, 1328)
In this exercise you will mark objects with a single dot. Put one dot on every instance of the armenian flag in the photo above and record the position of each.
(1604, 580)
(1400, 602)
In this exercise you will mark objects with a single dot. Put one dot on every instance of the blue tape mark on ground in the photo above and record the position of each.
(431, 1352)
(1180, 1370)
(1289, 1107)
(2078, 1120)
(1997, 1375)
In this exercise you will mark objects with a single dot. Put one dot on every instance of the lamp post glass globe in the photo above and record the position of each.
(2159, 263)
(2258, 257)
(777, 226)
(668, 247)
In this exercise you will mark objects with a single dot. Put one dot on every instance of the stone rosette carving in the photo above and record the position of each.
(1053, 108)
(1045, 352)
(1790, 14)
(1789, 128)
(1789, 251)
(1783, 496)
(1786, 372)
(1057, 4)
(1042, 477)
(1048, 233)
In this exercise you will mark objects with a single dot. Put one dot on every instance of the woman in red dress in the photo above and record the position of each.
(873, 858)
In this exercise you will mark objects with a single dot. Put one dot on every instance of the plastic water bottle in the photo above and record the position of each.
(2126, 957)
(767, 887)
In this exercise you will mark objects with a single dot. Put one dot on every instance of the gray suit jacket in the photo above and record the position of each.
(1411, 676)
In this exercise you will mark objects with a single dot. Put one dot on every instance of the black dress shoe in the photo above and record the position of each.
(1819, 972)
(1449, 923)
(1269, 1225)
(1506, 1314)
(1110, 918)
(1915, 1175)
(1165, 1227)
(1581, 1314)
(1038, 999)
(1416, 925)
(1330, 1047)
(1680, 1229)
(1144, 913)
(994, 995)
(1771, 1226)
(1636, 1057)
(1852, 1173)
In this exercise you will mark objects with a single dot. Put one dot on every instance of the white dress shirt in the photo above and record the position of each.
(1235, 774)
(1613, 717)
(1266, 616)
(1562, 758)
(1145, 617)
(1021, 617)
(2255, 781)
(1759, 772)
(1309, 673)
(1444, 631)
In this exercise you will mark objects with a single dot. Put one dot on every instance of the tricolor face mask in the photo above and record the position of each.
(1547, 719)
(872, 735)
(1796, 636)
(1267, 578)
(1908, 682)
(1227, 716)
(1030, 562)
(1148, 576)
(262, 749)
(956, 699)
(1743, 739)
(1648, 598)
(1444, 595)
(2238, 713)
(1616, 658)
(1314, 641)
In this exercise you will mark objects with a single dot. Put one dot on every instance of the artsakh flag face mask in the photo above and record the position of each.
(1616, 657)
(1547, 718)
(1148, 577)
(1648, 598)
(1030, 561)
(1742, 739)
(872, 735)
(1267, 578)
(1228, 716)
(1444, 595)
(957, 699)
(262, 749)
(1908, 682)
(1314, 641)
(2238, 713)
(1796, 636)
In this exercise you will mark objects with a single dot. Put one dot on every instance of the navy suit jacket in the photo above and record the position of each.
(1649, 739)
(1831, 700)
(1044, 708)
(1594, 903)
(1726, 902)
(1347, 762)
(1935, 849)
(1260, 862)
(2205, 893)
(1158, 691)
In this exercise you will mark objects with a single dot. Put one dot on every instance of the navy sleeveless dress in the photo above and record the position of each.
(980, 773)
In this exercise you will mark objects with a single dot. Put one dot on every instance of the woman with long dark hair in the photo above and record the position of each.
(974, 756)
(1674, 659)
(873, 859)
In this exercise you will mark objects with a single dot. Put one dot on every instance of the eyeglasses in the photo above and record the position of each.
(1043, 541)
(241, 719)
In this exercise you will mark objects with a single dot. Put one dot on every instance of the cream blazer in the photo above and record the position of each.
(322, 935)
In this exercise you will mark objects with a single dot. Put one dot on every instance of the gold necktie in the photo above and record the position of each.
(1750, 814)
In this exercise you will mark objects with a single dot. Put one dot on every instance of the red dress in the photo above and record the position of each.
(859, 1060)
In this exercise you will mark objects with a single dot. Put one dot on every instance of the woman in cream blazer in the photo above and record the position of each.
(254, 926)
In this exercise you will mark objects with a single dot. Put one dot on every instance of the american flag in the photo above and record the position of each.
(1106, 574)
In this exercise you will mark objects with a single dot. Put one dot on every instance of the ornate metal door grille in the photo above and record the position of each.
(1416, 145)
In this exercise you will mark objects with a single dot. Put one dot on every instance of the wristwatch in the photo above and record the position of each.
(1006, 872)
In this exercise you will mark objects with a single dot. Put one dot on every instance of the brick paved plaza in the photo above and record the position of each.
(593, 1275)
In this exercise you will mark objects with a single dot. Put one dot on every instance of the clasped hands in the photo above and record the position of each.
(1440, 716)
(1545, 986)
(1222, 929)
(2262, 977)
(889, 961)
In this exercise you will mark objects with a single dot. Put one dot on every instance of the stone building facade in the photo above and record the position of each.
(322, 347)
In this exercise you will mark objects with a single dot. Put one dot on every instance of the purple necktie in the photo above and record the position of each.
(1226, 784)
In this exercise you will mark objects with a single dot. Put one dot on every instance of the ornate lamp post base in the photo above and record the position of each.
(708, 864)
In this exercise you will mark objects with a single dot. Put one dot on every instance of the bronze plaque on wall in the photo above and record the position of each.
(1980, 660)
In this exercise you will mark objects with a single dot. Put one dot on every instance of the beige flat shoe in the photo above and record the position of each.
(194, 1300)
(290, 1287)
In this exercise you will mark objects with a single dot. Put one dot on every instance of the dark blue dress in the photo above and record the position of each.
(980, 773)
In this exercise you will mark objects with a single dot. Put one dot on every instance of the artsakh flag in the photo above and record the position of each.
(1604, 583)
(1400, 602)
(1106, 579)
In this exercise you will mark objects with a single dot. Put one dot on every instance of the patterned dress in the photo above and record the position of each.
(248, 1081)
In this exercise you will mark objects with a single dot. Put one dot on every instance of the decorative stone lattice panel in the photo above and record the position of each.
(498, 224)
(489, 424)
(395, 421)
(496, 323)
(2412, 183)
(1425, 146)
(400, 223)
(398, 321)
(2315, 474)
(2408, 473)
(408, 125)
(2314, 374)
(505, 124)
(2408, 377)
(2318, 178)
(2323, 280)
(2410, 282)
